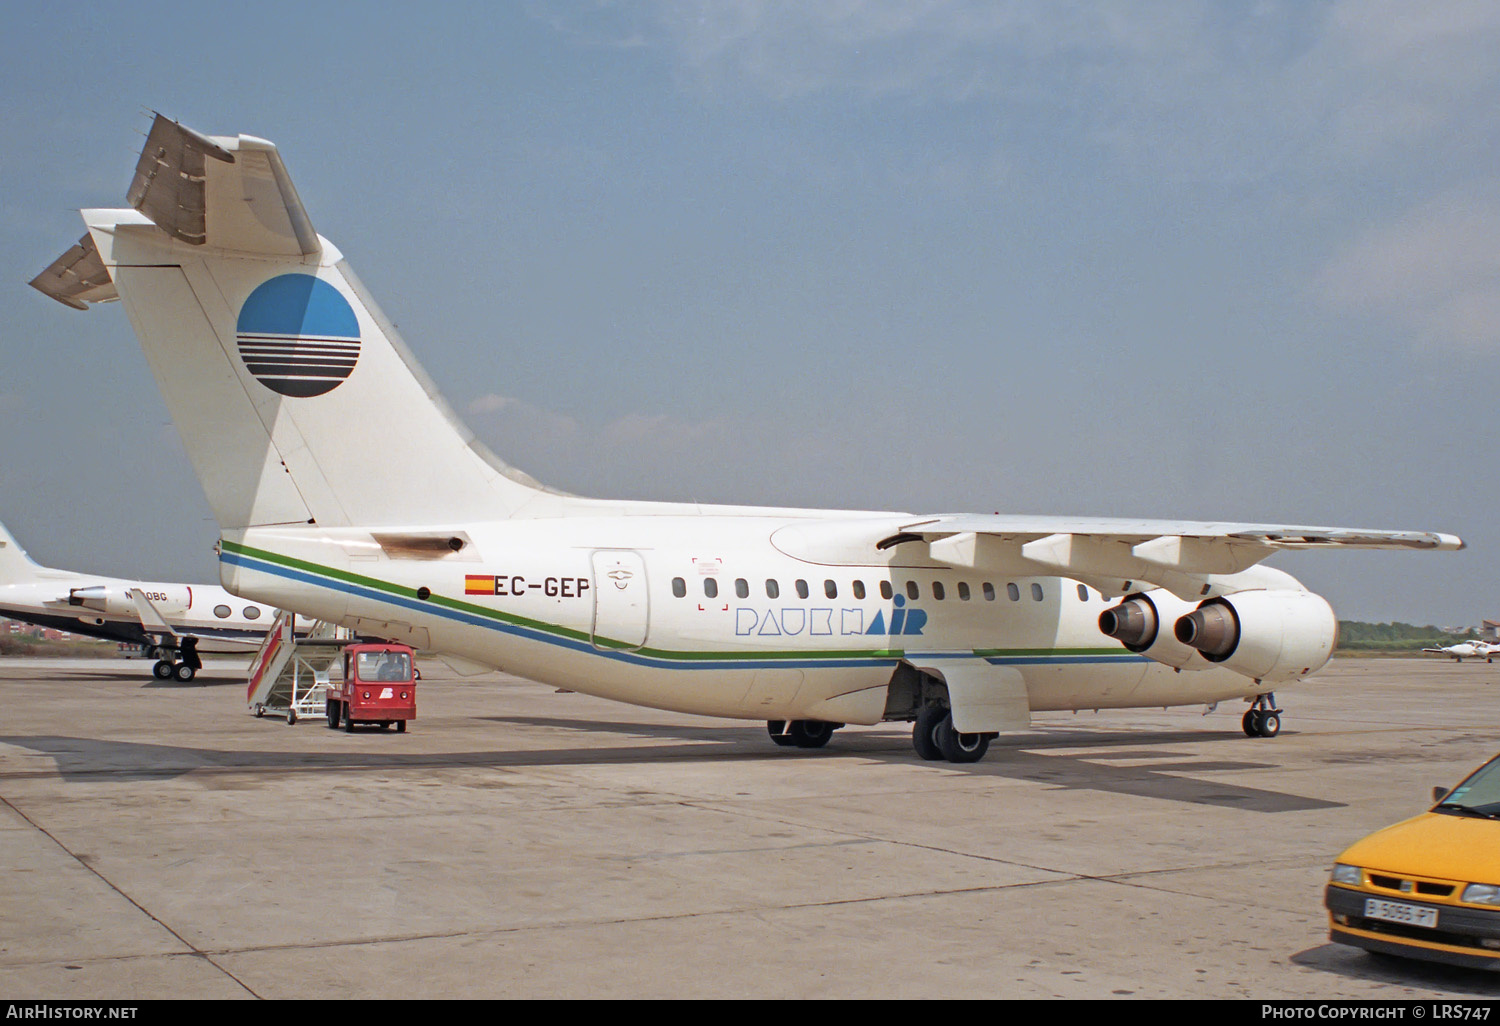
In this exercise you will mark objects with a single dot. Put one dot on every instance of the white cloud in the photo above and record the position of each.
(1170, 87)
(1436, 270)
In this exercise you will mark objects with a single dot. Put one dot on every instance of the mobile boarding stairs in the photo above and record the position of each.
(289, 675)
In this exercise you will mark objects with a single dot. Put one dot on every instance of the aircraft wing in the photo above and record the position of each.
(151, 618)
(1121, 555)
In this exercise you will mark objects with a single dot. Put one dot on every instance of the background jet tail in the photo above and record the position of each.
(15, 566)
(295, 398)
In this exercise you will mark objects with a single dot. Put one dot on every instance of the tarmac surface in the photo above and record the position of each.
(157, 841)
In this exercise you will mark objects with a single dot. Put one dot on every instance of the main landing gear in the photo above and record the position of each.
(801, 733)
(934, 737)
(1263, 718)
(177, 664)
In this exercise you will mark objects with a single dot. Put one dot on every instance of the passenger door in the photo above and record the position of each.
(621, 602)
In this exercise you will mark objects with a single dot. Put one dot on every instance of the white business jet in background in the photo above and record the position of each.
(1467, 650)
(345, 489)
(173, 622)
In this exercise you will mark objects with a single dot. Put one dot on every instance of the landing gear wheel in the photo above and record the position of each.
(777, 730)
(184, 672)
(811, 733)
(928, 717)
(1263, 718)
(162, 670)
(958, 747)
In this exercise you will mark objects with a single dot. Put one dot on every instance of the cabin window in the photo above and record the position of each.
(912, 591)
(741, 587)
(885, 589)
(1036, 592)
(710, 587)
(830, 589)
(222, 612)
(989, 592)
(802, 591)
(252, 612)
(1013, 592)
(938, 591)
(859, 589)
(963, 591)
(773, 590)
(1083, 594)
(679, 587)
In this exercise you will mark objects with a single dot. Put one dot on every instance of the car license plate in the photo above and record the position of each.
(1397, 912)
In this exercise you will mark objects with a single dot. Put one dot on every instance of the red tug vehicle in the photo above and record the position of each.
(379, 687)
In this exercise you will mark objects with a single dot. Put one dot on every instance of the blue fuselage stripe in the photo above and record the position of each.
(636, 658)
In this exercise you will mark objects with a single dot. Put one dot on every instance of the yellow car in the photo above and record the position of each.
(1428, 887)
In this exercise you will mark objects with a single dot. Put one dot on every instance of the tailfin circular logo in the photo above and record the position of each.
(298, 335)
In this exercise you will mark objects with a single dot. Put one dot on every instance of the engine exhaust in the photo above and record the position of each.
(1212, 629)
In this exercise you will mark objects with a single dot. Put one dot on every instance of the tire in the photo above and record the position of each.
(928, 717)
(1270, 724)
(331, 712)
(1250, 723)
(775, 728)
(348, 718)
(291, 717)
(401, 726)
(162, 670)
(958, 747)
(811, 733)
(184, 672)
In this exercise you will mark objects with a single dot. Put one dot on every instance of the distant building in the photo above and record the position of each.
(1490, 630)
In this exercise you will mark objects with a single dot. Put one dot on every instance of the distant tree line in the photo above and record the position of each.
(1357, 636)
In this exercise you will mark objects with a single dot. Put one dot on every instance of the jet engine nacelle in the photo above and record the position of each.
(102, 599)
(1143, 623)
(1267, 635)
(116, 601)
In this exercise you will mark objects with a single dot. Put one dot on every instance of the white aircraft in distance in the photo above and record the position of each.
(345, 489)
(1467, 650)
(174, 622)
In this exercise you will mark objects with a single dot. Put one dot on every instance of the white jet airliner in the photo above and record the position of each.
(345, 489)
(173, 622)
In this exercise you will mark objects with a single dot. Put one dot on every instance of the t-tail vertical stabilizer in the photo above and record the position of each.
(295, 398)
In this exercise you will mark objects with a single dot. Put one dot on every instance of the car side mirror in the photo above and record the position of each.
(1439, 793)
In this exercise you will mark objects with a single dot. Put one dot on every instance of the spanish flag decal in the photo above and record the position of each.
(479, 584)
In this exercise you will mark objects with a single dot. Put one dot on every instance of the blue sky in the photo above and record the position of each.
(1223, 261)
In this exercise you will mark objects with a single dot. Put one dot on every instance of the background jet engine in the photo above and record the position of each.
(1137, 623)
(1271, 636)
(115, 599)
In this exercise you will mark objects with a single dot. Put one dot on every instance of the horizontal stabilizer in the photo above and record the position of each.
(78, 277)
(230, 193)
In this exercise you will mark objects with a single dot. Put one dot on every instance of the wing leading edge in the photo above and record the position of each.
(1117, 556)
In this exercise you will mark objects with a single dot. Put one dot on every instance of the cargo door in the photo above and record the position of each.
(620, 601)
